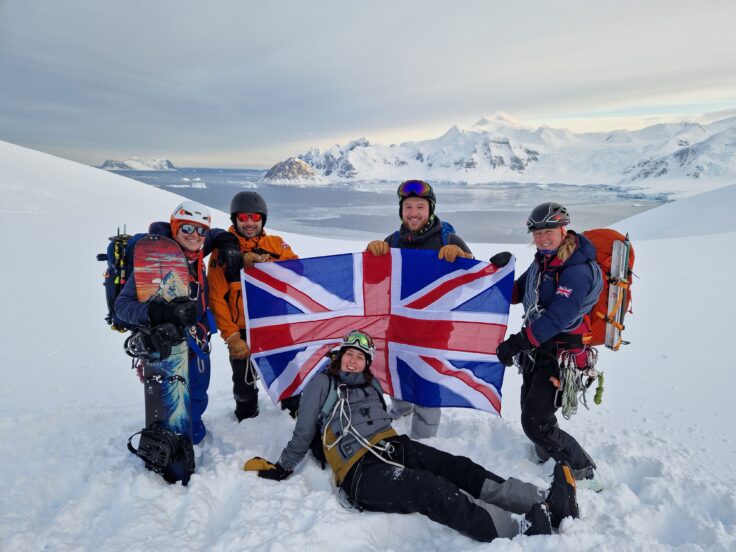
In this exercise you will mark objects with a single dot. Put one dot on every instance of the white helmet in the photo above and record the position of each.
(191, 211)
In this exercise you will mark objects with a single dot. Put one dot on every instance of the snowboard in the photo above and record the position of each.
(162, 273)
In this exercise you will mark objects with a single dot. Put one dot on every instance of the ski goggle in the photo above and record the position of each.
(359, 340)
(244, 217)
(417, 188)
(191, 229)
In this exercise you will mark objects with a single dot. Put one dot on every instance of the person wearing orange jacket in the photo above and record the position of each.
(248, 213)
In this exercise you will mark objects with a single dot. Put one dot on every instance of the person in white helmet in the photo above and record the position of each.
(189, 225)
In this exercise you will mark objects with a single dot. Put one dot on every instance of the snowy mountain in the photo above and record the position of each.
(136, 164)
(714, 156)
(500, 148)
(663, 437)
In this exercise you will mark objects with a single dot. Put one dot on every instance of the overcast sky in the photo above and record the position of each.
(235, 83)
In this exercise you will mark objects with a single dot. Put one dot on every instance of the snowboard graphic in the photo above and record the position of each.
(161, 272)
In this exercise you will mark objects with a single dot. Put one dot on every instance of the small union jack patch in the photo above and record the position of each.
(564, 291)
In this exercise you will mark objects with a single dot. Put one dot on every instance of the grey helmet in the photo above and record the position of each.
(248, 202)
(547, 215)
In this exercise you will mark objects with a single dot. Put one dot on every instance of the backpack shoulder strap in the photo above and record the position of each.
(447, 229)
(394, 241)
(329, 403)
(377, 386)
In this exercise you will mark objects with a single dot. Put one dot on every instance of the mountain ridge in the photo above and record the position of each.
(499, 148)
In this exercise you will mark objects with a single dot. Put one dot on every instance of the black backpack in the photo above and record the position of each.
(119, 258)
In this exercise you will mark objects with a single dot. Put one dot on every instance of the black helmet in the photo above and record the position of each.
(416, 188)
(248, 202)
(547, 215)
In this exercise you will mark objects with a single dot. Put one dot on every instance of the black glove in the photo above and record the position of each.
(222, 238)
(508, 349)
(279, 473)
(231, 257)
(181, 311)
(501, 259)
(291, 404)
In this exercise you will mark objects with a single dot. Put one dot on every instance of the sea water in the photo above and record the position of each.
(491, 213)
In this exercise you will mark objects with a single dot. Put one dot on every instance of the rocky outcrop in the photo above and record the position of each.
(292, 170)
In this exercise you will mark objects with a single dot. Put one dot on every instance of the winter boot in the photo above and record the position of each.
(538, 455)
(589, 478)
(244, 410)
(536, 521)
(561, 498)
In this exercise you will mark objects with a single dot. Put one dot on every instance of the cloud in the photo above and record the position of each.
(247, 76)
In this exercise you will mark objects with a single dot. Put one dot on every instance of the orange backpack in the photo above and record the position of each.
(607, 316)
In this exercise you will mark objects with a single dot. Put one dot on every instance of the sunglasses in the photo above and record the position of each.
(191, 229)
(255, 217)
(356, 337)
(417, 188)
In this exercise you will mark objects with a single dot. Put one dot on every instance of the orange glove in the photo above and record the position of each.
(378, 248)
(451, 252)
(237, 347)
(250, 258)
(257, 464)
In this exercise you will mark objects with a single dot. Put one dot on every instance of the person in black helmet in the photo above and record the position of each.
(557, 290)
(421, 229)
(248, 213)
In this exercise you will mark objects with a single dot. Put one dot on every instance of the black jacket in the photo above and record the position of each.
(429, 237)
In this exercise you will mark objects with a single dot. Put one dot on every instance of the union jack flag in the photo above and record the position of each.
(436, 325)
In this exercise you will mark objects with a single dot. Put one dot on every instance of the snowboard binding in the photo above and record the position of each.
(153, 343)
(166, 453)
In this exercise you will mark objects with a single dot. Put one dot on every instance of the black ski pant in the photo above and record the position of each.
(431, 483)
(538, 411)
(245, 393)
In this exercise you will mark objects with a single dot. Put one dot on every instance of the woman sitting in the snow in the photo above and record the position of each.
(381, 471)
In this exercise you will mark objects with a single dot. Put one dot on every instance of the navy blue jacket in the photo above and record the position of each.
(562, 290)
(135, 313)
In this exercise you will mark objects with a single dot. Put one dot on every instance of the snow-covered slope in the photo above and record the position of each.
(136, 164)
(500, 148)
(664, 435)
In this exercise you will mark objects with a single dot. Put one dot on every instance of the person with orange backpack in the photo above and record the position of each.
(558, 290)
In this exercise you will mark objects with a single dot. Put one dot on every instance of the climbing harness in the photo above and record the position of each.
(383, 450)
(250, 376)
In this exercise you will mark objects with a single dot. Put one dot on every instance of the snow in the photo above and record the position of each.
(663, 437)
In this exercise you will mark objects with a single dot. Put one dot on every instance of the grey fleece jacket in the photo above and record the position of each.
(365, 409)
